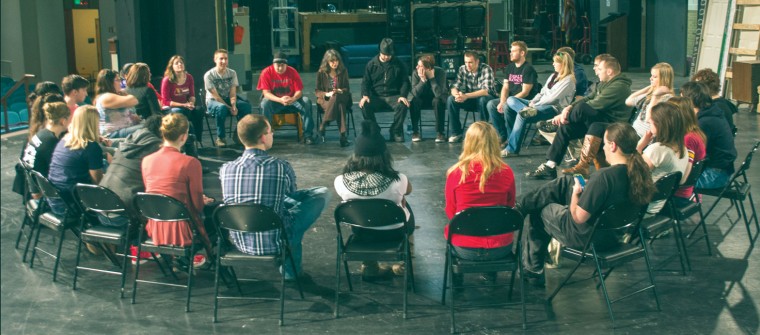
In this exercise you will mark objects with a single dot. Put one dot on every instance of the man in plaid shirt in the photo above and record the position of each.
(473, 89)
(259, 178)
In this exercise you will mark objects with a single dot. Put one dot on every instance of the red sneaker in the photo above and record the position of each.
(144, 255)
(199, 261)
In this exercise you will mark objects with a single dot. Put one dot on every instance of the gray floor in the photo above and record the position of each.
(717, 296)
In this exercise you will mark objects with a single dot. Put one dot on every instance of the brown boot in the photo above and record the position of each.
(588, 153)
(600, 161)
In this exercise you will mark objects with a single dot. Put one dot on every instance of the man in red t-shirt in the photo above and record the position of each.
(282, 92)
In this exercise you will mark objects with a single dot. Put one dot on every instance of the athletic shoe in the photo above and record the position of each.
(543, 172)
(455, 139)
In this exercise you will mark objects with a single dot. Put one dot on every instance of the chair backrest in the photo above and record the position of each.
(161, 207)
(696, 171)
(425, 19)
(99, 199)
(247, 217)
(369, 213)
(746, 163)
(48, 190)
(618, 217)
(666, 185)
(485, 221)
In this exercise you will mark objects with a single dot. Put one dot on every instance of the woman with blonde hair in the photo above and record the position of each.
(660, 89)
(556, 94)
(78, 157)
(333, 94)
(479, 178)
(169, 172)
(117, 113)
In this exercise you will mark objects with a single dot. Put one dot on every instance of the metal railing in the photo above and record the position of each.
(4, 100)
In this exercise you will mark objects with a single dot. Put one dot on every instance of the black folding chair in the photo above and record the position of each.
(159, 207)
(33, 209)
(57, 224)
(615, 221)
(684, 213)
(482, 222)
(350, 124)
(98, 200)
(737, 190)
(655, 225)
(231, 120)
(249, 218)
(372, 214)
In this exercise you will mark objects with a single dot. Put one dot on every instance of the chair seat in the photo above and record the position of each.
(656, 225)
(55, 222)
(738, 193)
(467, 266)
(103, 234)
(148, 246)
(361, 250)
(685, 212)
(607, 258)
(31, 206)
(234, 257)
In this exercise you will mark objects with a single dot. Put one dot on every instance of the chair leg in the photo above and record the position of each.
(33, 226)
(25, 222)
(125, 261)
(564, 281)
(76, 265)
(754, 213)
(34, 247)
(522, 287)
(190, 271)
(337, 282)
(137, 266)
(650, 272)
(747, 221)
(282, 295)
(680, 240)
(445, 278)
(58, 254)
(406, 274)
(216, 282)
(410, 268)
(604, 287)
(450, 271)
(298, 281)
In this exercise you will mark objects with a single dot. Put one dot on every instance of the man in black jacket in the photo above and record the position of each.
(385, 86)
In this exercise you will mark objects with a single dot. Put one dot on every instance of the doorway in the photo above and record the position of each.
(83, 38)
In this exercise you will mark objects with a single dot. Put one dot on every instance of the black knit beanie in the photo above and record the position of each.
(386, 47)
(369, 142)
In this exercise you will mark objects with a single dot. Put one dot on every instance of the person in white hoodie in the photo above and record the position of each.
(554, 96)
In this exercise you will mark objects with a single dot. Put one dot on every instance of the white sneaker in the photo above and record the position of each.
(455, 139)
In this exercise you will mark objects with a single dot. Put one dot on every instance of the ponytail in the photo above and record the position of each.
(640, 184)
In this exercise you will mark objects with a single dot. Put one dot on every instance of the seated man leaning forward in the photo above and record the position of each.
(282, 92)
(565, 210)
(221, 94)
(259, 178)
(473, 89)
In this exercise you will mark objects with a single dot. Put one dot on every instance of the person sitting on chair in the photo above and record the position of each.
(221, 85)
(178, 94)
(473, 89)
(521, 82)
(581, 81)
(712, 81)
(605, 104)
(384, 87)
(479, 178)
(428, 89)
(565, 210)
(282, 92)
(260, 178)
(74, 89)
(333, 94)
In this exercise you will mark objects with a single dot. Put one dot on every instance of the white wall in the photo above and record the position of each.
(11, 46)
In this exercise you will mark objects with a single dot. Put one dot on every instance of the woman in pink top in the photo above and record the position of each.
(178, 93)
(480, 178)
(179, 176)
(695, 142)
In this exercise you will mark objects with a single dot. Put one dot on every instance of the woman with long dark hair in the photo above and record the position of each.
(178, 93)
(333, 94)
(117, 109)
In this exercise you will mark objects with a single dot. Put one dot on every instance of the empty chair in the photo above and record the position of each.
(425, 28)
(655, 225)
(481, 222)
(612, 226)
(378, 214)
(249, 218)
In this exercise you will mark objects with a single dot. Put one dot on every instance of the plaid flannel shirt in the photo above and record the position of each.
(482, 79)
(259, 178)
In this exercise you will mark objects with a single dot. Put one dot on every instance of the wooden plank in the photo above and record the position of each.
(729, 74)
(748, 2)
(746, 26)
(744, 51)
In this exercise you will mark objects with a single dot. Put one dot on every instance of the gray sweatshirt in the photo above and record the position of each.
(559, 96)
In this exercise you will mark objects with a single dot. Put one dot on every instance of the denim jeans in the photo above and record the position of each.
(713, 178)
(220, 112)
(482, 254)
(515, 122)
(194, 116)
(477, 104)
(124, 132)
(301, 106)
(305, 206)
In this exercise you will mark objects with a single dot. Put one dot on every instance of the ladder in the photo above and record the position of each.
(741, 24)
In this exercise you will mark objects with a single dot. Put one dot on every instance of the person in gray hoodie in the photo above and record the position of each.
(606, 104)
(124, 175)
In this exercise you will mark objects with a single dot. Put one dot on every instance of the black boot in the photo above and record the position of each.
(344, 142)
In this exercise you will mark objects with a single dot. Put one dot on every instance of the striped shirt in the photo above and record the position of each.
(262, 179)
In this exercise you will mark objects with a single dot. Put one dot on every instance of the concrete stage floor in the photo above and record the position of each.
(716, 297)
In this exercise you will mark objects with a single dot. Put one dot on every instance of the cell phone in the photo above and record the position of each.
(580, 180)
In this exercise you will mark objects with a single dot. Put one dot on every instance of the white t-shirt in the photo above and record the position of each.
(222, 83)
(665, 161)
(395, 192)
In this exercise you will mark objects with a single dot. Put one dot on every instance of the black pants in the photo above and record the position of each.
(439, 108)
(581, 117)
(381, 104)
(547, 216)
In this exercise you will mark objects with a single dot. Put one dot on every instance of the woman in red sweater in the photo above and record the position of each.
(480, 178)
(178, 94)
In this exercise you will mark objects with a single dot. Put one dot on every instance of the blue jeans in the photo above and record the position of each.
(515, 121)
(304, 206)
(124, 132)
(477, 104)
(220, 112)
(713, 178)
(301, 106)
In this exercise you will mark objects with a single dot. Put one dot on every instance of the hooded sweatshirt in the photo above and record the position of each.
(721, 151)
(385, 79)
(609, 99)
(124, 175)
